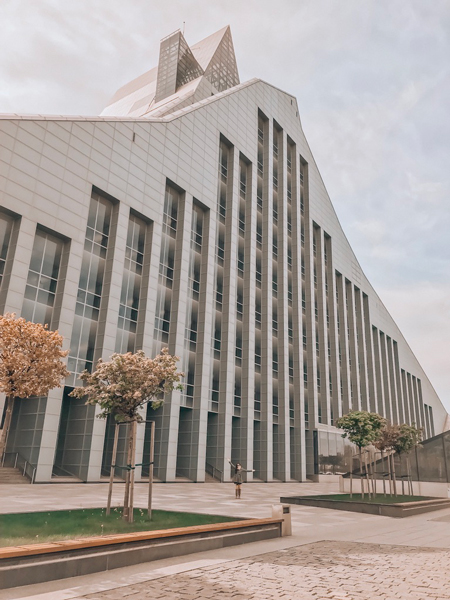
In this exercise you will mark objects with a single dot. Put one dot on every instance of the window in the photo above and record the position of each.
(42, 278)
(131, 286)
(6, 223)
(90, 286)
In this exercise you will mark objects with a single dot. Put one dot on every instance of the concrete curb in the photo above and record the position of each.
(38, 563)
(398, 510)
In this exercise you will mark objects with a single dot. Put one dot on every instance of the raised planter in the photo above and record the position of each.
(397, 510)
(37, 563)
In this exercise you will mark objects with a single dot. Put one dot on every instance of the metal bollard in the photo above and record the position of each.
(283, 511)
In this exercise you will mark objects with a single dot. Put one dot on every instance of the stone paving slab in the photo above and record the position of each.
(320, 571)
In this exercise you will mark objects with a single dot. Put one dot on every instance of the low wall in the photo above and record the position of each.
(37, 563)
(398, 510)
(421, 488)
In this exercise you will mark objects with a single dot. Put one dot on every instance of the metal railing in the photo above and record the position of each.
(17, 461)
(214, 472)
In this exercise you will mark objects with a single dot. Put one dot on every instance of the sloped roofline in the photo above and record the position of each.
(188, 109)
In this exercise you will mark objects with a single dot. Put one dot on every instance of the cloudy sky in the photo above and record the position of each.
(372, 78)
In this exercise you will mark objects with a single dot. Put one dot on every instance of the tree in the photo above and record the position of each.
(30, 363)
(361, 428)
(408, 438)
(386, 443)
(121, 387)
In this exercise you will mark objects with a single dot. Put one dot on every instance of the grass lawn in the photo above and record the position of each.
(379, 498)
(37, 527)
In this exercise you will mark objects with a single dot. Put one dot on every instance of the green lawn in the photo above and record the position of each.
(37, 527)
(379, 498)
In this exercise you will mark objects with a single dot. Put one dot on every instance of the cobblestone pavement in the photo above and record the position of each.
(322, 570)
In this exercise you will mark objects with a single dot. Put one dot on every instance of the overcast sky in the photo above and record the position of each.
(372, 78)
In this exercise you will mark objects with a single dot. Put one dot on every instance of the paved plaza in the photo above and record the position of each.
(349, 571)
(332, 554)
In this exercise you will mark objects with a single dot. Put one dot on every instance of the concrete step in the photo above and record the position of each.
(9, 475)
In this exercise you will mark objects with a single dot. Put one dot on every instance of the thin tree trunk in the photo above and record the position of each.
(351, 474)
(384, 478)
(394, 481)
(126, 500)
(6, 425)
(132, 472)
(410, 483)
(368, 475)
(150, 469)
(361, 473)
(403, 477)
(388, 458)
(113, 468)
(373, 467)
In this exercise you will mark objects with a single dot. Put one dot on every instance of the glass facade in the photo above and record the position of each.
(87, 310)
(276, 184)
(290, 189)
(219, 260)
(42, 278)
(258, 271)
(131, 286)
(222, 70)
(166, 268)
(304, 209)
(177, 66)
(192, 305)
(240, 269)
(6, 223)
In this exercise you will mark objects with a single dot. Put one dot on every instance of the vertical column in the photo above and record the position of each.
(400, 399)
(145, 306)
(394, 393)
(426, 433)
(204, 348)
(310, 323)
(266, 434)
(362, 357)
(322, 319)
(430, 409)
(421, 404)
(381, 405)
(371, 370)
(333, 339)
(412, 407)
(406, 413)
(171, 411)
(385, 377)
(353, 345)
(248, 341)
(107, 324)
(344, 352)
(298, 468)
(284, 472)
(146, 319)
(419, 421)
(65, 304)
(228, 346)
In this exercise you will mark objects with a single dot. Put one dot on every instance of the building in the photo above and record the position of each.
(191, 214)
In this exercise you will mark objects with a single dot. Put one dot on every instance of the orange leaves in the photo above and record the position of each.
(128, 381)
(30, 358)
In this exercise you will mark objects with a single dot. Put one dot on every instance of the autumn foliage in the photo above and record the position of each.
(30, 362)
(121, 387)
(127, 382)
